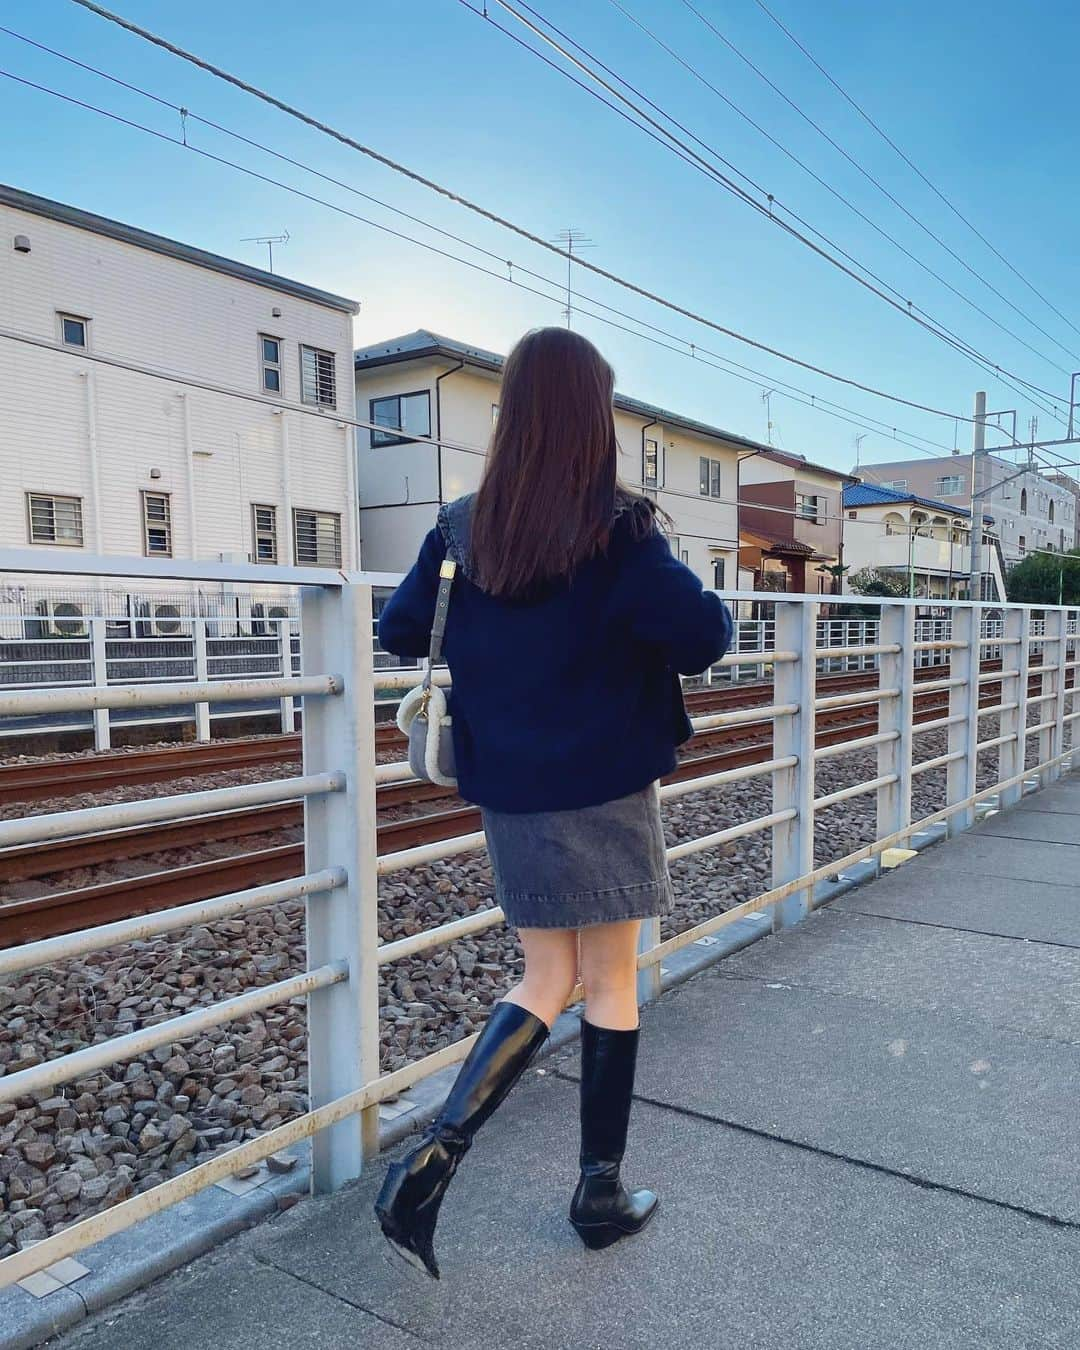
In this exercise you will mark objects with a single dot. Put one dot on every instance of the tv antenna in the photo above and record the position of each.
(858, 447)
(269, 240)
(766, 398)
(573, 241)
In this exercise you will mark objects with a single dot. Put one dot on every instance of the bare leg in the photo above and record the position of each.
(551, 971)
(609, 973)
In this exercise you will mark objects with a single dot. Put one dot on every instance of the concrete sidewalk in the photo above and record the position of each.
(864, 1133)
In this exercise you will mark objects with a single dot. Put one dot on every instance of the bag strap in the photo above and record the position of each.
(447, 572)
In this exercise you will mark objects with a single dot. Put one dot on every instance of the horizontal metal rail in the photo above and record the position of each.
(737, 719)
(938, 762)
(860, 743)
(61, 824)
(121, 1048)
(720, 837)
(856, 790)
(69, 945)
(853, 700)
(23, 703)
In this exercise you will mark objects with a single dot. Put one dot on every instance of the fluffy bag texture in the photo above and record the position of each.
(431, 748)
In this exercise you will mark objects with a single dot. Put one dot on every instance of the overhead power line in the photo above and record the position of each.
(915, 168)
(497, 219)
(766, 207)
(685, 347)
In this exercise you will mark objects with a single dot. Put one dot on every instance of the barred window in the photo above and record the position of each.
(317, 538)
(318, 377)
(157, 525)
(264, 533)
(55, 520)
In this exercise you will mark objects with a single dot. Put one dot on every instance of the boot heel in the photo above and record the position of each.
(596, 1236)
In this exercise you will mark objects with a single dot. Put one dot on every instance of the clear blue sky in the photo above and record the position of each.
(981, 97)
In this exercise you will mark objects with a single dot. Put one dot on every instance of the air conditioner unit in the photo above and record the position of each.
(262, 616)
(64, 619)
(167, 621)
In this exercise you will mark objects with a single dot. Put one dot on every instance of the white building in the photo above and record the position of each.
(924, 543)
(438, 387)
(239, 452)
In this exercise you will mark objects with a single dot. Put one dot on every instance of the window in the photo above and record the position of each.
(73, 330)
(899, 484)
(318, 377)
(264, 533)
(494, 414)
(157, 525)
(405, 416)
(853, 515)
(55, 520)
(1050, 512)
(675, 544)
(650, 468)
(709, 477)
(1022, 544)
(270, 361)
(949, 486)
(811, 508)
(1023, 501)
(718, 574)
(317, 538)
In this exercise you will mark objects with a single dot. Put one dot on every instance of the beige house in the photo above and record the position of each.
(923, 542)
(431, 386)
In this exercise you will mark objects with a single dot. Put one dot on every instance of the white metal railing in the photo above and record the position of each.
(342, 866)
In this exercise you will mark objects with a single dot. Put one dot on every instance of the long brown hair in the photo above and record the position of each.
(550, 488)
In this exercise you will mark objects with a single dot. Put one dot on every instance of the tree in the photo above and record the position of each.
(1046, 579)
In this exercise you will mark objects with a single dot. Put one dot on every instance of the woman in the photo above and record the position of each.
(569, 620)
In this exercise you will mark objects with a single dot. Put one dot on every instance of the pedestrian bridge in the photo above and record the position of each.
(862, 1129)
(856, 1101)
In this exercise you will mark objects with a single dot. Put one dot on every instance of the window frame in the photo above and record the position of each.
(256, 533)
(388, 438)
(297, 511)
(818, 517)
(941, 489)
(55, 542)
(144, 495)
(64, 316)
(317, 352)
(652, 481)
(265, 365)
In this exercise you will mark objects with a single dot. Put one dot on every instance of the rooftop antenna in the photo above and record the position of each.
(858, 447)
(573, 241)
(766, 398)
(269, 240)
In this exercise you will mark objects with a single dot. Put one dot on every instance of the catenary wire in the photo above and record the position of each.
(492, 216)
(872, 178)
(915, 168)
(764, 208)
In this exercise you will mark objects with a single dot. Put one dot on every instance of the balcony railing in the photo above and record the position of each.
(342, 867)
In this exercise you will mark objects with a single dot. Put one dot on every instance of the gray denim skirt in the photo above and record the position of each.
(569, 869)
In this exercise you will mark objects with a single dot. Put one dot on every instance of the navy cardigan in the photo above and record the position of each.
(571, 699)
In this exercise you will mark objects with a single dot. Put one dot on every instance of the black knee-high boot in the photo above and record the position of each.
(408, 1204)
(602, 1211)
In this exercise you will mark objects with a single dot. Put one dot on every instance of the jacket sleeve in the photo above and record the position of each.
(666, 606)
(405, 623)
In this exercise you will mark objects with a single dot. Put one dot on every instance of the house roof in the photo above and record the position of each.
(801, 462)
(156, 243)
(871, 494)
(774, 541)
(424, 344)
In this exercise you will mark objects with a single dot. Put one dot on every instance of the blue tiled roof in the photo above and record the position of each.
(871, 494)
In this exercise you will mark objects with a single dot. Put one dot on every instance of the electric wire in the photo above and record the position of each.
(915, 168)
(870, 177)
(494, 217)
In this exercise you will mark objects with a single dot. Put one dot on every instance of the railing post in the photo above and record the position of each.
(960, 775)
(794, 682)
(649, 978)
(99, 671)
(339, 831)
(1054, 709)
(1014, 661)
(288, 709)
(202, 673)
(897, 671)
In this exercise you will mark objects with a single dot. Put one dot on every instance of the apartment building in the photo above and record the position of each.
(923, 542)
(235, 449)
(1032, 511)
(431, 386)
(791, 522)
(1072, 487)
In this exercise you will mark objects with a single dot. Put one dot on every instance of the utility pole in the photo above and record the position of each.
(978, 451)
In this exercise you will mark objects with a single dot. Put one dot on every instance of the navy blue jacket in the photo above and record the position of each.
(571, 699)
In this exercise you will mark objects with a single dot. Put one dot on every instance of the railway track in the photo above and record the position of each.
(27, 920)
